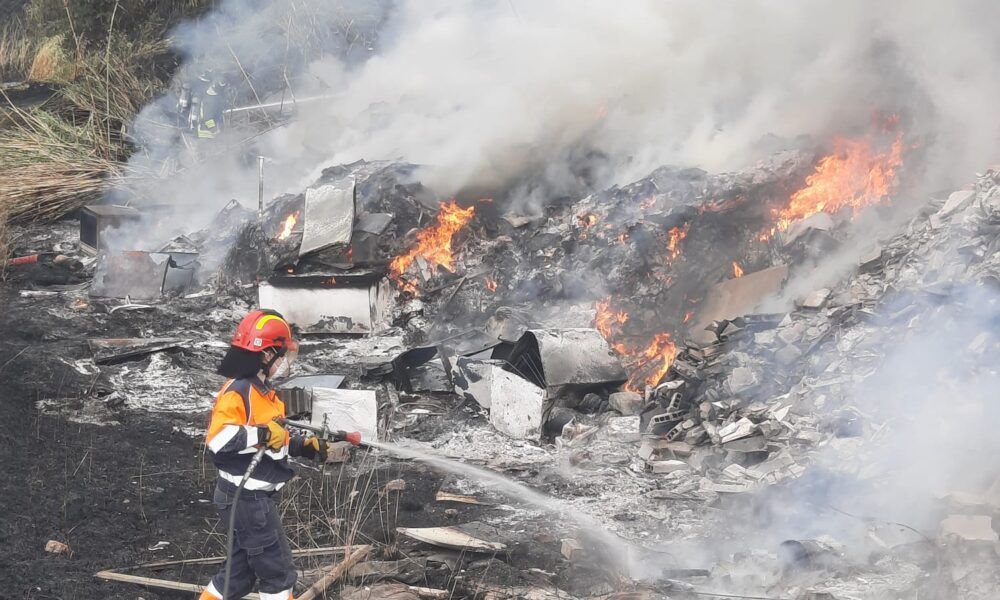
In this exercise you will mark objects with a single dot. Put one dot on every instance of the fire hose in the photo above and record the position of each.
(354, 437)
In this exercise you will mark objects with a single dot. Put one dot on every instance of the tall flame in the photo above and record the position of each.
(648, 364)
(608, 321)
(655, 359)
(434, 242)
(675, 236)
(288, 225)
(737, 270)
(855, 175)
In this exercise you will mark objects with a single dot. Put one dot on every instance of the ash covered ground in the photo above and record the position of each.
(824, 433)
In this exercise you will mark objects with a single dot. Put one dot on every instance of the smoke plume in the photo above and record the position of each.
(485, 93)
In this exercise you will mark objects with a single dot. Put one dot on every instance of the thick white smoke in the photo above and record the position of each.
(485, 92)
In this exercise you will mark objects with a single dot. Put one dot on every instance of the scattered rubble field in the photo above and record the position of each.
(655, 391)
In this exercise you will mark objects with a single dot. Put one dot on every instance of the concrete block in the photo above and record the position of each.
(740, 429)
(627, 403)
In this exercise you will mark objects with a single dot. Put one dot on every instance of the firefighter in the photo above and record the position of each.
(243, 419)
(210, 110)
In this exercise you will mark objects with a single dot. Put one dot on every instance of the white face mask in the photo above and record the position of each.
(283, 366)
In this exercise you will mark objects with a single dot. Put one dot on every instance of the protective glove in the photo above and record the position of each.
(308, 447)
(313, 447)
(272, 435)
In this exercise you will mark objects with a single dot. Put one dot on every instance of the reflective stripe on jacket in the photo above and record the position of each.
(241, 406)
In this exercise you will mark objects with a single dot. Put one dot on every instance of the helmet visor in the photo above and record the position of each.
(282, 367)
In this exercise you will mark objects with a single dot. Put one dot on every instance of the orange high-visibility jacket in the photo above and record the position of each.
(241, 407)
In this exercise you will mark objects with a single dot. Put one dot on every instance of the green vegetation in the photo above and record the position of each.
(104, 59)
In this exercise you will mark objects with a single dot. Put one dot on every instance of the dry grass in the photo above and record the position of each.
(73, 151)
(52, 167)
(17, 52)
(51, 62)
(114, 86)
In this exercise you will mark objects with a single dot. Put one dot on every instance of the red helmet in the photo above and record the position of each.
(263, 329)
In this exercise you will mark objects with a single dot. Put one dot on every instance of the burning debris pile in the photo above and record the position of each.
(665, 336)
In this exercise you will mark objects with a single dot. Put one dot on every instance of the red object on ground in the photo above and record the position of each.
(23, 260)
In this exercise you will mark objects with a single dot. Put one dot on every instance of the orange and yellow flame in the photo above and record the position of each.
(434, 243)
(490, 283)
(855, 175)
(587, 220)
(647, 364)
(737, 270)
(608, 321)
(675, 236)
(654, 360)
(288, 225)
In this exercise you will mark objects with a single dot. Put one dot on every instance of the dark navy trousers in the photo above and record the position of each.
(260, 548)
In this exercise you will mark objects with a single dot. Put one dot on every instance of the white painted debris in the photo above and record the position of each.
(517, 406)
(780, 414)
(474, 379)
(450, 537)
(347, 307)
(971, 528)
(346, 410)
(775, 464)
(56, 547)
(669, 466)
(623, 429)
(329, 216)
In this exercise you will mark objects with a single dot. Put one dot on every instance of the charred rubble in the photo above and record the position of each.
(635, 352)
